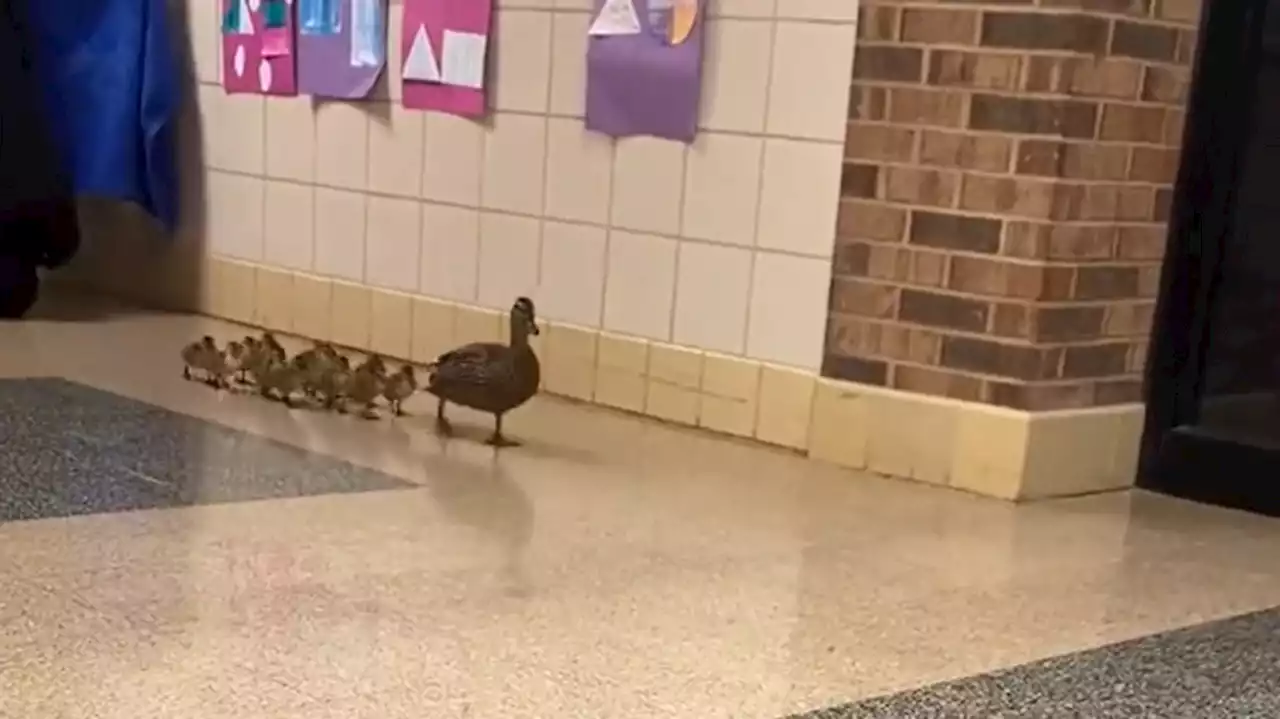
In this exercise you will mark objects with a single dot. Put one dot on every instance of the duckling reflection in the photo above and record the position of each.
(480, 494)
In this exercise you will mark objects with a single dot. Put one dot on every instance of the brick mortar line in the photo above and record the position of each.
(1128, 343)
(998, 216)
(1058, 263)
(1008, 175)
(1001, 134)
(1100, 100)
(1014, 298)
(970, 374)
(1007, 300)
(1013, 52)
(999, 339)
(990, 300)
(983, 8)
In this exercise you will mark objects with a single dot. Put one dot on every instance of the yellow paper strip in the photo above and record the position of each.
(684, 13)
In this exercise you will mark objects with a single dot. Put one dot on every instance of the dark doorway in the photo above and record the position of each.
(1213, 377)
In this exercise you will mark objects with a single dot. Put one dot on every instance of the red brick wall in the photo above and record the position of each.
(1007, 180)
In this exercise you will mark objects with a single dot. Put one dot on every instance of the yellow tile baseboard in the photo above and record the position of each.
(973, 447)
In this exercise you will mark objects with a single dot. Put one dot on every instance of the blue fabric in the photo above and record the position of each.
(110, 81)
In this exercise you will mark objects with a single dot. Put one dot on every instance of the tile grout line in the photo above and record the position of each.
(466, 306)
(569, 116)
(755, 230)
(516, 213)
(687, 150)
(546, 161)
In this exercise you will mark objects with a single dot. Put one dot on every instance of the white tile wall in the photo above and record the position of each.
(522, 61)
(640, 284)
(290, 225)
(713, 285)
(291, 138)
(395, 152)
(340, 233)
(724, 245)
(571, 288)
(393, 232)
(450, 252)
(510, 252)
(453, 160)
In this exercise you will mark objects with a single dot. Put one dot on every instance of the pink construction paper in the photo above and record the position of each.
(275, 42)
(260, 73)
(437, 16)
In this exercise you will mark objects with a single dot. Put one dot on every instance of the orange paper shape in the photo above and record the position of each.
(684, 13)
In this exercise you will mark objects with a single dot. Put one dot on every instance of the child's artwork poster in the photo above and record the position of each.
(342, 47)
(644, 68)
(445, 48)
(257, 47)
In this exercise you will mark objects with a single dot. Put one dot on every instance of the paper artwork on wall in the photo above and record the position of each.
(445, 47)
(258, 53)
(647, 82)
(420, 64)
(341, 47)
(616, 17)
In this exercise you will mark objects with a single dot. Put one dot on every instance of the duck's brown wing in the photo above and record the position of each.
(477, 364)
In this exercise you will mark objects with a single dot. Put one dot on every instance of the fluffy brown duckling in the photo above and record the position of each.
(315, 364)
(374, 364)
(399, 387)
(364, 387)
(256, 359)
(197, 356)
(489, 376)
(225, 363)
(274, 348)
(280, 381)
(332, 385)
(236, 355)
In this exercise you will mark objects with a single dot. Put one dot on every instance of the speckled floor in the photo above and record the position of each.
(612, 567)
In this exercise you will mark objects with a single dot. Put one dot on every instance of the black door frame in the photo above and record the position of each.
(1176, 456)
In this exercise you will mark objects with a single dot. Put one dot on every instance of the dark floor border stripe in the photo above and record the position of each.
(1223, 669)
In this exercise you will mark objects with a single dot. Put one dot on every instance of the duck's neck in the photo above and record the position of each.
(519, 335)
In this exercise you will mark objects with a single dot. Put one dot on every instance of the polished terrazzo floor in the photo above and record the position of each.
(170, 551)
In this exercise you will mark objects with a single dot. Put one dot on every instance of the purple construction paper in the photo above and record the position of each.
(324, 63)
(641, 85)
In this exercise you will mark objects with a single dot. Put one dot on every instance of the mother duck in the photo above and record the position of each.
(489, 376)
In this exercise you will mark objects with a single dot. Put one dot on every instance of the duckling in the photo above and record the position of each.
(280, 381)
(332, 385)
(374, 364)
(223, 365)
(196, 356)
(274, 348)
(488, 376)
(256, 359)
(364, 387)
(399, 387)
(236, 355)
(316, 363)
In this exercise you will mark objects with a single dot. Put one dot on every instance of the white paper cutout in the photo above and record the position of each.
(237, 61)
(421, 64)
(264, 75)
(617, 17)
(462, 59)
(367, 35)
(255, 4)
(246, 19)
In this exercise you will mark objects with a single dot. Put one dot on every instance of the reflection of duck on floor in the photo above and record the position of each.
(481, 495)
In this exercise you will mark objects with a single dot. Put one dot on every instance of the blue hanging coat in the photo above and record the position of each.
(110, 81)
